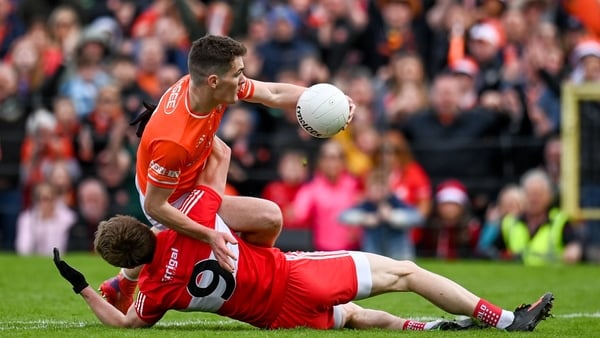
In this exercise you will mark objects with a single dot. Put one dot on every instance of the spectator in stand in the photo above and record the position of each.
(292, 172)
(83, 83)
(403, 92)
(491, 9)
(516, 31)
(238, 131)
(452, 231)
(41, 149)
(12, 26)
(123, 71)
(312, 70)
(552, 156)
(386, 221)
(361, 139)
(167, 75)
(114, 169)
(285, 48)
(335, 26)
(144, 23)
(586, 61)
(406, 178)
(150, 57)
(64, 25)
(62, 177)
(67, 123)
(28, 63)
(511, 201)
(93, 206)
(173, 37)
(447, 21)
(544, 64)
(13, 118)
(466, 71)
(445, 135)
(321, 200)
(394, 26)
(252, 61)
(45, 225)
(542, 234)
(106, 118)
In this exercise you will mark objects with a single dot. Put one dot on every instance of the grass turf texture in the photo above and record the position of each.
(37, 302)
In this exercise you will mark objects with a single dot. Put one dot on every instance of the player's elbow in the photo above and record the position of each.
(152, 208)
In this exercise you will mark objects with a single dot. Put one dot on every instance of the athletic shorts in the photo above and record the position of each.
(317, 283)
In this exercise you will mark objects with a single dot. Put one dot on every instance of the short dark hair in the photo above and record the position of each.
(213, 54)
(123, 241)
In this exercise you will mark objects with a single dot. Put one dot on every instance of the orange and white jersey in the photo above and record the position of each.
(177, 141)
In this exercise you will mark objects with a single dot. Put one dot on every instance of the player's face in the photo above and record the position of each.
(229, 84)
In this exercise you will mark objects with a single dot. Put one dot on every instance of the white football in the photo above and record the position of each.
(322, 110)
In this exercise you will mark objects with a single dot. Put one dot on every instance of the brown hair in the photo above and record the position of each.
(212, 54)
(123, 241)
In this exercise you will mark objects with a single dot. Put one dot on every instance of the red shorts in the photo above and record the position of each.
(318, 281)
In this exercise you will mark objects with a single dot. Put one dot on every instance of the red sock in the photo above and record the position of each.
(487, 312)
(413, 325)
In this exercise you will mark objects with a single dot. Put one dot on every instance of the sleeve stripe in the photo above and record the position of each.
(247, 91)
(161, 181)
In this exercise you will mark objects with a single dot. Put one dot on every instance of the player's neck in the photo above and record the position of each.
(200, 101)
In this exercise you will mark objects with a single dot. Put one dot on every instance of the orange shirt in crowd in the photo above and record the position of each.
(588, 12)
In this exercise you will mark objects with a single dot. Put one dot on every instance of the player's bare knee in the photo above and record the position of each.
(409, 267)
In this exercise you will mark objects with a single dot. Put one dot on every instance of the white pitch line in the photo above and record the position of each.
(63, 324)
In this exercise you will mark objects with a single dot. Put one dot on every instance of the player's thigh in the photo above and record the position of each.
(388, 274)
(247, 214)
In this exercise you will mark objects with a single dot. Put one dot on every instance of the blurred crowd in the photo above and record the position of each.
(453, 152)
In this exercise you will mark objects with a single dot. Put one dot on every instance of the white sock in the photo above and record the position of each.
(429, 325)
(506, 319)
(126, 276)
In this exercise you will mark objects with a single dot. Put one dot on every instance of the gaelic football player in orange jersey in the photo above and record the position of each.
(175, 143)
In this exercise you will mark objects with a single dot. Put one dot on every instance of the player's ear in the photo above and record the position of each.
(212, 81)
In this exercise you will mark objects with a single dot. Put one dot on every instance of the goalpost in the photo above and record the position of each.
(573, 170)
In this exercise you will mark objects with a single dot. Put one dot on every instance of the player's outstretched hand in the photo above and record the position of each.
(73, 276)
(223, 254)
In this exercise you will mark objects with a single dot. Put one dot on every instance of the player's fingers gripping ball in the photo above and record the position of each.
(323, 110)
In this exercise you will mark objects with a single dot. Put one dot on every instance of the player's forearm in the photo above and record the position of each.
(110, 315)
(106, 313)
(284, 95)
(172, 218)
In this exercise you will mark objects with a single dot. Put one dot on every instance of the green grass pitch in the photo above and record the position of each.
(36, 302)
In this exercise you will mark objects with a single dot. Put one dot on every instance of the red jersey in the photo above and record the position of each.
(269, 289)
(411, 185)
(184, 275)
(177, 141)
